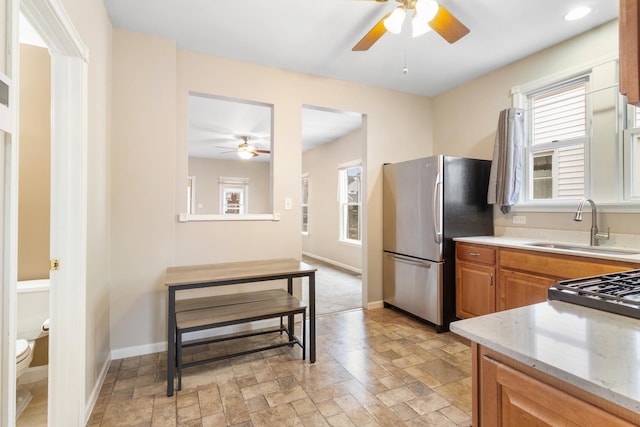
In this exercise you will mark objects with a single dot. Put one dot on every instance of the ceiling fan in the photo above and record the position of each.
(246, 151)
(427, 15)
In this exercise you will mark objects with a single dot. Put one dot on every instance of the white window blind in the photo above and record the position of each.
(559, 114)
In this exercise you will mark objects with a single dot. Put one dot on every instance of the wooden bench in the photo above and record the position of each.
(197, 314)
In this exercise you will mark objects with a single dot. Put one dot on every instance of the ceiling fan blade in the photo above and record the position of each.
(372, 36)
(448, 25)
(263, 151)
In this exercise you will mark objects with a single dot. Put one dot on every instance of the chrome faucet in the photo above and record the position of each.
(595, 235)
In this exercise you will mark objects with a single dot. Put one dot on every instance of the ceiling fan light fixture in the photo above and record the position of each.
(419, 26)
(246, 150)
(427, 9)
(245, 155)
(393, 23)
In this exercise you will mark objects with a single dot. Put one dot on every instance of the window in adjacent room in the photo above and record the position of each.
(191, 191)
(305, 204)
(233, 195)
(350, 198)
(557, 140)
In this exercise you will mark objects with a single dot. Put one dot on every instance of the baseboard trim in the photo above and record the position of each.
(333, 262)
(95, 392)
(375, 304)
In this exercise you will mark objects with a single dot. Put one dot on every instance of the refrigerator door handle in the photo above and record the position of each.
(437, 220)
(408, 260)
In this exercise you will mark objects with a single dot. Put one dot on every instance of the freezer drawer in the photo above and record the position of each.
(413, 285)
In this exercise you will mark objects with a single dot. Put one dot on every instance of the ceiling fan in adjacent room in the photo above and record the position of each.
(427, 15)
(246, 151)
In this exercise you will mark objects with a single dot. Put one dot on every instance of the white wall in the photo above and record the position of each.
(150, 116)
(321, 164)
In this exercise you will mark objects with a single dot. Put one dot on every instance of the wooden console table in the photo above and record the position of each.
(233, 273)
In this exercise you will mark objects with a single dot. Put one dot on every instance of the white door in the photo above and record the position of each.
(8, 209)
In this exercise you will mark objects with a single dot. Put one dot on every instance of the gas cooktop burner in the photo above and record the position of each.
(616, 292)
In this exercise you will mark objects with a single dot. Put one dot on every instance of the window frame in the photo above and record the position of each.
(233, 183)
(630, 132)
(530, 150)
(343, 202)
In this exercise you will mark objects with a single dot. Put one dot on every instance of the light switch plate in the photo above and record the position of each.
(288, 203)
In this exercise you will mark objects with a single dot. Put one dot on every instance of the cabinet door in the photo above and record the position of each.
(512, 398)
(629, 42)
(520, 289)
(475, 290)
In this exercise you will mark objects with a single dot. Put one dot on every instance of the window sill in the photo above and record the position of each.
(605, 207)
(220, 217)
(353, 243)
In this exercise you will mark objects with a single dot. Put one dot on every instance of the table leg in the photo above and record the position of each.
(290, 323)
(312, 317)
(171, 344)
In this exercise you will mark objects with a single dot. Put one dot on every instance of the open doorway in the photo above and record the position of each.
(68, 233)
(332, 204)
(34, 177)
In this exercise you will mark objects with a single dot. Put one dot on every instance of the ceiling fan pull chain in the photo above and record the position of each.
(405, 70)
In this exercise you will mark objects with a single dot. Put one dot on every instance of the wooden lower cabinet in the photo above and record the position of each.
(490, 279)
(475, 290)
(507, 396)
(519, 289)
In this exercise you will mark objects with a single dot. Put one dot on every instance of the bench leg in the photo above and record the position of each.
(304, 335)
(179, 357)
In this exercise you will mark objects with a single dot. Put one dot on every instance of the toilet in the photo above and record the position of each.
(24, 355)
(30, 353)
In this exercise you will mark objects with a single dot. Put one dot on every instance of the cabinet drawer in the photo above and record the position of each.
(476, 253)
(558, 266)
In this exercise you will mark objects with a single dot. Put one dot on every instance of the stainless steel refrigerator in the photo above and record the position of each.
(428, 202)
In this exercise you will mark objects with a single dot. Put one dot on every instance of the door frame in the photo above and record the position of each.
(67, 294)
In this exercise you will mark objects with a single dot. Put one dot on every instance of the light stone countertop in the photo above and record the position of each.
(593, 350)
(524, 243)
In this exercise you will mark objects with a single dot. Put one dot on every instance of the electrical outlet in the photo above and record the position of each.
(519, 219)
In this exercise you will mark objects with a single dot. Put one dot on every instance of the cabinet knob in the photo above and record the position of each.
(490, 279)
(473, 254)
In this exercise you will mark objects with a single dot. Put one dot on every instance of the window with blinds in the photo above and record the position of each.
(558, 139)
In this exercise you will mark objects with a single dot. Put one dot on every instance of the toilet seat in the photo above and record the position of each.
(23, 349)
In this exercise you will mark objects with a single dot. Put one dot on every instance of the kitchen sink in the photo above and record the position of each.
(592, 249)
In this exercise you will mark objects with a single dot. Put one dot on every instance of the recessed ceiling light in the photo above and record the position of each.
(577, 13)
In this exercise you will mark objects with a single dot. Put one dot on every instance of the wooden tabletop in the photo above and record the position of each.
(192, 274)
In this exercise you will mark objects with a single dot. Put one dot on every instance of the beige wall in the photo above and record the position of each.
(143, 186)
(150, 116)
(34, 163)
(90, 19)
(324, 214)
(466, 117)
(207, 188)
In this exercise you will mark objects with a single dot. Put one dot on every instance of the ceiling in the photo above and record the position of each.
(316, 37)
(218, 125)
